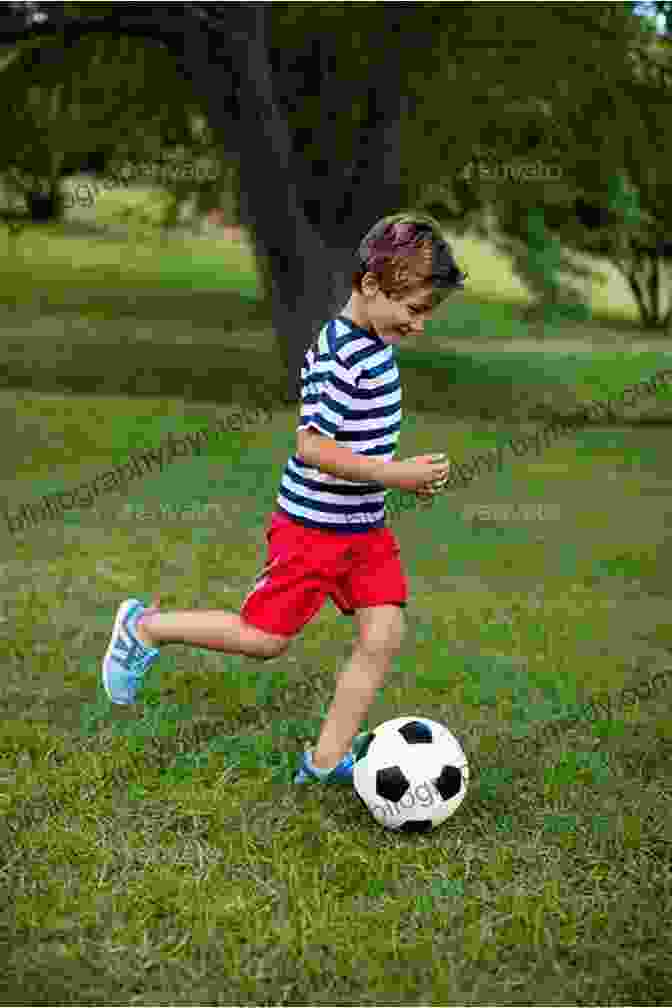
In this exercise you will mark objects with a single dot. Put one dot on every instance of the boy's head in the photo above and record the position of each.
(405, 268)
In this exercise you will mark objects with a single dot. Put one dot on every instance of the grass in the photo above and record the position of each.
(162, 856)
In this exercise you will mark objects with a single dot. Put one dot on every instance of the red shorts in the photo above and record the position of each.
(305, 565)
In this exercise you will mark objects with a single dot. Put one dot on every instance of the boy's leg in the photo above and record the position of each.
(232, 632)
(215, 629)
(381, 631)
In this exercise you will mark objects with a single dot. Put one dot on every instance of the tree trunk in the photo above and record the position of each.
(372, 186)
(306, 263)
(632, 264)
(654, 290)
(288, 248)
(647, 294)
(636, 289)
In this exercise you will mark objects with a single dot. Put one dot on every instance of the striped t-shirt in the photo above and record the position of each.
(350, 391)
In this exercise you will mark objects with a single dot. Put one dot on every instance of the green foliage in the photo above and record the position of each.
(544, 259)
(58, 110)
(625, 201)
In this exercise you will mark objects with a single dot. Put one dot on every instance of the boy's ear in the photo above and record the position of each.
(370, 280)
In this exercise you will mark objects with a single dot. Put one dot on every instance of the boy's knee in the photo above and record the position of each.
(383, 632)
(272, 651)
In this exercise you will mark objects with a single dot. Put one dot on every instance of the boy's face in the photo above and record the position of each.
(394, 319)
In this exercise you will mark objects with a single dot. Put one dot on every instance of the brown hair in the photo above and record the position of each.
(404, 251)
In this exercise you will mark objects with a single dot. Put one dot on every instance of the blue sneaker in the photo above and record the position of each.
(126, 659)
(340, 774)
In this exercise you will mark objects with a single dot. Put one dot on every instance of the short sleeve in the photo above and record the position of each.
(328, 399)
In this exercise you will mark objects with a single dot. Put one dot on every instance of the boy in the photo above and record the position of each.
(327, 536)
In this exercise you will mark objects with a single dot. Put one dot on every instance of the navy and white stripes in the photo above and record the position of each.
(350, 391)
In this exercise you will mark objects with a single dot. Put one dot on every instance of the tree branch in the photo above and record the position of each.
(159, 22)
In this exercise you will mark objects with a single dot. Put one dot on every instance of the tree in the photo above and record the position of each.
(332, 142)
(326, 145)
(602, 129)
(223, 51)
(61, 122)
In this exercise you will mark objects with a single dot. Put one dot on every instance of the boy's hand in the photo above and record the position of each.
(435, 486)
(425, 475)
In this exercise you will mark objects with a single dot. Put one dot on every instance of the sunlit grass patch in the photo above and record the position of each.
(69, 264)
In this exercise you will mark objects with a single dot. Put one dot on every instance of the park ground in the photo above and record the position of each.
(161, 855)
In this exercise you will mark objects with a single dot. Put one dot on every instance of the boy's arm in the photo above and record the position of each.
(324, 454)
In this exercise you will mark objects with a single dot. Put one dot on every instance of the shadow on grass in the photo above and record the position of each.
(225, 309)
(450, 384)
(218, 376)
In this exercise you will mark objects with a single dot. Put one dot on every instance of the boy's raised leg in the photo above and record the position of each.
(216, 629)
(139, 631)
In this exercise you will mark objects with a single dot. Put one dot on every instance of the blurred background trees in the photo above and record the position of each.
(543, 125)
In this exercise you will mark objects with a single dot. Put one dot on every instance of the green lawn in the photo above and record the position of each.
(162, 855)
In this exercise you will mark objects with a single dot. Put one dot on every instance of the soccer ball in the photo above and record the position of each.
(411, 774)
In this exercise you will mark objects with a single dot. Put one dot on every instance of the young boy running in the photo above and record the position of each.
(327, 536)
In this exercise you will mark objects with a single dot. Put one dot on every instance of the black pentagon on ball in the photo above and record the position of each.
(391, 783)
(416, 826)
(449, 782)
(416, 731)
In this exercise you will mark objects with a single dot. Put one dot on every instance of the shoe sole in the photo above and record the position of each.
(121, 613)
